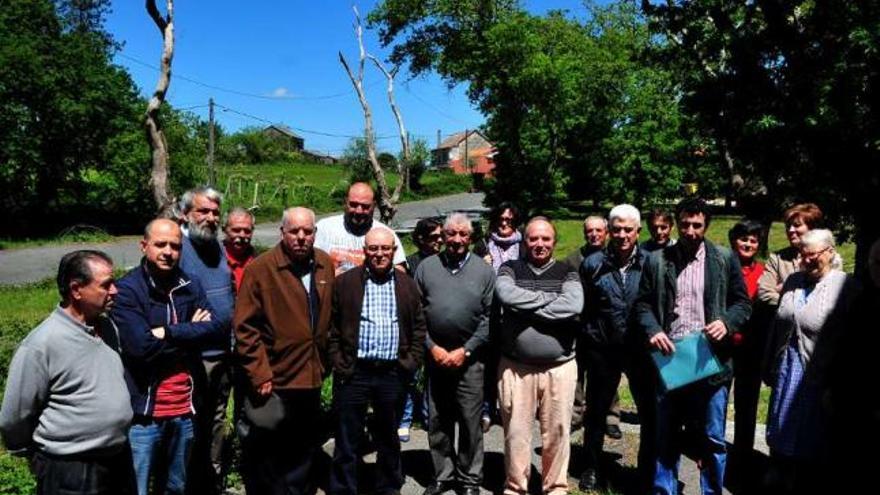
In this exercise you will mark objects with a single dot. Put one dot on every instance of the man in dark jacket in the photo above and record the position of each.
(164, 321)
(377, 339)
(281, 321)
(693, 286)
(608, 347)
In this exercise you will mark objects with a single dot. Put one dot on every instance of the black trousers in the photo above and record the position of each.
(279, 461)
(604, 368)
(84, 474)
(382, 385)
(209, 462)
(747, 360)
(455, 397)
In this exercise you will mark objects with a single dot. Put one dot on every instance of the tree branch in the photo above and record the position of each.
(152, 126)
(401, 128)
(387, 204)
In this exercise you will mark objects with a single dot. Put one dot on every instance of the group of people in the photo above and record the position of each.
(125, 385)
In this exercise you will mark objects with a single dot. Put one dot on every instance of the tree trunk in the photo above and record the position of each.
(387, 203)
(152, 126)
(402, 165)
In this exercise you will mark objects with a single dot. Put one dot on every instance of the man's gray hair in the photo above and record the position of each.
(596, 217)
(293, 209)
(625, 212)
(237, 212)
(458, 219)
(818, 239)
(186, 201)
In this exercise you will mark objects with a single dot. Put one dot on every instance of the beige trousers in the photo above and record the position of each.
(523, 390)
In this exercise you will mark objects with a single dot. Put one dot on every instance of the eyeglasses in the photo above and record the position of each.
(628, 230)
(807, 255)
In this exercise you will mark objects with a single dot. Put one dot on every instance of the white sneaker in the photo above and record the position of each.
(403, 434)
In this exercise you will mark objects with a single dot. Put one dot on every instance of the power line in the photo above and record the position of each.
(300, 129)
(244, 93)
(432, 107)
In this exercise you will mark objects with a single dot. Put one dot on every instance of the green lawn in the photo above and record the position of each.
(321, 187)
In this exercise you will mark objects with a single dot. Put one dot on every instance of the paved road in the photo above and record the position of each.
(22, 266)
(620, 454)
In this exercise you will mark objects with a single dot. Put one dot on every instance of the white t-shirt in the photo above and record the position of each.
(346, 249)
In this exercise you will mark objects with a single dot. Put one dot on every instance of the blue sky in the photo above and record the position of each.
(276, 61)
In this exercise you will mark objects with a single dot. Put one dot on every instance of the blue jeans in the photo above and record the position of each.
(412, 395)
(702, 409)
(169, 439)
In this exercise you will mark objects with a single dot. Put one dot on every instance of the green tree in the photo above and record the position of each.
(419, 156)
(787, 92)
(356, 160)
(575, 109)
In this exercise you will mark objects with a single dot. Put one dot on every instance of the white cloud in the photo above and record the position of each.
(280, 92)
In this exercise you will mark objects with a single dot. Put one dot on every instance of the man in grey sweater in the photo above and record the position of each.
(540, 299)
(66, 405)
(457, 290)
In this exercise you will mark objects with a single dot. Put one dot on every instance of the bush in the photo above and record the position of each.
(15, 476)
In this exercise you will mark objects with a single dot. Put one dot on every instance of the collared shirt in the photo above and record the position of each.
(690, 285)
(628, 264)
(236, 265)
(456, 267)
(379, 334)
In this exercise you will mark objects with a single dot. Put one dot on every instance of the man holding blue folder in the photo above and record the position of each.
(693, 286)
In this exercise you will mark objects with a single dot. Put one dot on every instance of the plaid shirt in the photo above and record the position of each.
(379, 331)
(690, 285)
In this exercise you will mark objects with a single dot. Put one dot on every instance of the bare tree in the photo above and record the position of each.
(155, 136)
(402, 165)
(387, 201)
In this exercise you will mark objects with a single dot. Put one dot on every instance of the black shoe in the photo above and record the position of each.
(468, 490)
(589, 481)
(613, 431)
(436, 488)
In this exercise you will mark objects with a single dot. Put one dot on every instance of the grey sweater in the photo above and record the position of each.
(540, 308)
(65, 393)
(456, 305)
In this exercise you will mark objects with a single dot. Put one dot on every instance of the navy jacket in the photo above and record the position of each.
(141, 306)
(609, 299)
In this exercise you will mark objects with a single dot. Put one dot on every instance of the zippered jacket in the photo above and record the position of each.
(142, 305)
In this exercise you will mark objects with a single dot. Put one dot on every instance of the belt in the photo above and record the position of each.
(376, 364)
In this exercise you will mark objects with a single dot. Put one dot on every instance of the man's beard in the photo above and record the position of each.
(201, 234)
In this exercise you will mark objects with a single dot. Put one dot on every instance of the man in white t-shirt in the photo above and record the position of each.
(342, 236)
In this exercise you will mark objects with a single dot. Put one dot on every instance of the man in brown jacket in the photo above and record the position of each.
(377, 339)
(281, 323)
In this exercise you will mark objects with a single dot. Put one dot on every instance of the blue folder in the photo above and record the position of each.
(693, 360)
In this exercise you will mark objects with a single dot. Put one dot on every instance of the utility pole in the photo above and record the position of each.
(212, 173)
(467, 161)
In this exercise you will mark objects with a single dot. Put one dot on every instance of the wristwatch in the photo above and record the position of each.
(467, 353)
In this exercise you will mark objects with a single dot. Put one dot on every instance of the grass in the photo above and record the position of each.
(321, 187)
(21, 309)
(78, 234)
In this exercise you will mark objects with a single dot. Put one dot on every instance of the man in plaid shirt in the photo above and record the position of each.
(377, 338)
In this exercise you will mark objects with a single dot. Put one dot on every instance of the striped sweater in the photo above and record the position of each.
(539, 311)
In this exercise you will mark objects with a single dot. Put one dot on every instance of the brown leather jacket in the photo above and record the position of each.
(275, 336)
